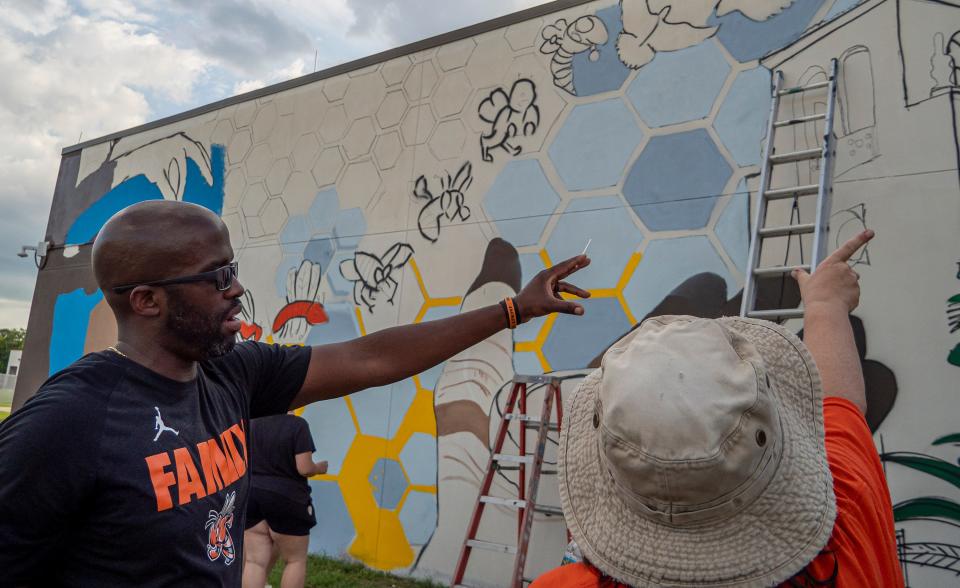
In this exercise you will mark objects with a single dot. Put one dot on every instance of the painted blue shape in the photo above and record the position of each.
(332, 429)
(674, 183)
(666, 264)
(613, 238)
(350, 228)
(388, 481)
(140, 189)
(334, 531)
(295, 234)
(733, 226)
(340, 285)
(429, 378)
(71, 315)
(748, 39)
(595, 144)
(521, 201)
(381, 410)
(530, 265)
(742, 120)
(419, 459)
(419, 517)
(342, 326)
(678, 86)
(839, 7)
(320, 250)
(573, 342)
(323, 210)
(526, 363)
(607, 73)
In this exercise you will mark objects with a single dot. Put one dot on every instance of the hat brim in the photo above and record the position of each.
(766, 543)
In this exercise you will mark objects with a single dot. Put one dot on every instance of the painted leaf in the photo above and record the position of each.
(953, 438)
(929, 465)
(936, 555)
(926, 507)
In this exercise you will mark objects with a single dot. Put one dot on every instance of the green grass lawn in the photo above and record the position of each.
(6, 399)
(325, 572)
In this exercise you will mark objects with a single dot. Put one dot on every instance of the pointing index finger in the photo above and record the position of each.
(567, 267)
(846, 251)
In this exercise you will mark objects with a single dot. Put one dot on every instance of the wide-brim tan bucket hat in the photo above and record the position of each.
(694, 456)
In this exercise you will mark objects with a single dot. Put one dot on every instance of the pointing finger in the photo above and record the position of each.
(801, 276)
(846, 251)
(565, 268)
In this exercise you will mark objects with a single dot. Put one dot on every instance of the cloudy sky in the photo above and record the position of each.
(85, 68)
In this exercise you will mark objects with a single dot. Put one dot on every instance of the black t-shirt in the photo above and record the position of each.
(113, 475)
(274, 443)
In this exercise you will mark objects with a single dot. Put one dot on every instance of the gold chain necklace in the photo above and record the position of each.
(117, 351)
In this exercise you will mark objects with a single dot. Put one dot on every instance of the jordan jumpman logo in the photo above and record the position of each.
(159, 427)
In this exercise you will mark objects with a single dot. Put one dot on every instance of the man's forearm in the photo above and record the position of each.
(829, 337)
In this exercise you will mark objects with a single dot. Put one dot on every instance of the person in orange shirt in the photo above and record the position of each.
(726, 452)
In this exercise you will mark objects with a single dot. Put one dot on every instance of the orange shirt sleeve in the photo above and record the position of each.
(863, 544)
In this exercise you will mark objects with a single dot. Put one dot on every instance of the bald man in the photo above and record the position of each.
(130, 465)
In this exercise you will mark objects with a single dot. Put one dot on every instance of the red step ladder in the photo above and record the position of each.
(526, 501)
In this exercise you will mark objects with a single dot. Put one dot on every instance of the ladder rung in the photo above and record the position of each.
(530, 420)
(512, 502)
(490, 546)
(780, 313)
(797, 156)
(791, 192)
(798, 120)
(554, 511)
(548, 472)
(533, 379)
(798, 89)
(788, 230)
(502, 457)
(779, 269)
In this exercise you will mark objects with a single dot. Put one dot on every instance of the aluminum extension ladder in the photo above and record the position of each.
(823, 190)
(526, 501)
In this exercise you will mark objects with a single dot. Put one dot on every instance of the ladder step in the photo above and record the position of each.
(548, 472)
(780, 313)
(791, 192)
(799, 89)
(511, 502)
(796, 156)
(798, 120)
(788, 230)
(530, 421)
(490, 546)
(554, 511)
(502, 457)
(779, 269)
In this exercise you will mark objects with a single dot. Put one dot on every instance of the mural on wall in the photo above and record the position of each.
(591, 118)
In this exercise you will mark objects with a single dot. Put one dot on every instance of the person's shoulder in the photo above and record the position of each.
(92, 378)
(574, 575)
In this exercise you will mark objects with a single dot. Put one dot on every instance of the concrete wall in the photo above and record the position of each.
(440, 180)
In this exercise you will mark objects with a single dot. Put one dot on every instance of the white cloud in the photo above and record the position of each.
(294, 70)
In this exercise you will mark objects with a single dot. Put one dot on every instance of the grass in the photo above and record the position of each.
(6, 400)
(323, 572)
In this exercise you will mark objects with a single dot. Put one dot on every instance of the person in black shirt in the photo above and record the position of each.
(280, 512)
(130, 466)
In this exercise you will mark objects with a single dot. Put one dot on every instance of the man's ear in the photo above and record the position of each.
(147, 300)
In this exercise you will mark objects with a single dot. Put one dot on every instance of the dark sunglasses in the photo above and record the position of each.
(222, 276)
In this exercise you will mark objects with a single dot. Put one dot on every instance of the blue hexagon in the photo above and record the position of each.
(526, 363)
(334, 530)
(381, 410)
(612, 235)
(742, 120)
(419, 517)
(341, 326)
(521, 201)
(678, 86)
(388, 481)
(340, 285)
(323, 210)
(574, 341)
(320, 250)
(733, 226)
(419, 459)
(595, 144)
(604, 71)
(530, 265)
(666, 264)
(350, 228)
(748, 39)
(296, 233)
(332, 429)
(676, 180)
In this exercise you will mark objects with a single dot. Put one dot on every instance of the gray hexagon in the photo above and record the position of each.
(392, 109)
(387, 149)
(328, 166)
(253, 200)
(278, 175)
(456, 55)
(417, 125)
(388, 482)
(244, 114)
(259, 161)
(359, 184)
(452, 94)
(489, 63)
(335, 88)
(264, 122)
(305, 152)
(395, 70)
(364, 95)
(334, 124)
(359, 138)
(421, 81)
(239, 146)
(222, 133)
(273, 216)
(448, 140)
(523, 35)
(233, 188)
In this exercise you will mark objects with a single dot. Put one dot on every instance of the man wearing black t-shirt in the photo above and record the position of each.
(130, 466)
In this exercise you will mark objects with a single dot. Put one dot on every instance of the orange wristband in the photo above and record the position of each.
(511, 313)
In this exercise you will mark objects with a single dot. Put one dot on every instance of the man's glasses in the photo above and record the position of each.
(222, 276)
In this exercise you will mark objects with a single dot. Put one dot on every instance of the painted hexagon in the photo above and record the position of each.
(323, 211)
(452, 94)
(455, 55)
(388, 481)
(733, 226)
(666, 264)
(259, 161)
(488, 64)
(678, 86)
(235, 227)
(448, 140)
(676, 180)
(523, 34)
(334, 88)
(395, 70)
(521, 201)
(305, 152)
(264, 122)
(526, 363)
(296, 234)
(328, 166)
(418, 516)
(748, 39)
(349, 228)
(613, 239)
(299, 191)
(417, 125)
(392, 109)
(421, 81)
(381, 410)
(741, 122)
(595, 73)
(419, 459)
(273, 216)
(341, 326)
(244, 113)
(332, 429)
(334, 124)
(574, 341)
(364, 95)
(233, 187)
(334, 530)
(278, 175)
(359, 184)
(239, 146)
(594, 145)
(253, 200)
(359, 138)
(222, 133)
(387, 149)
(320, 250)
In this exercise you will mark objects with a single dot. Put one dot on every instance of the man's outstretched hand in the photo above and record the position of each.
(542, 295)
(834, 283)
